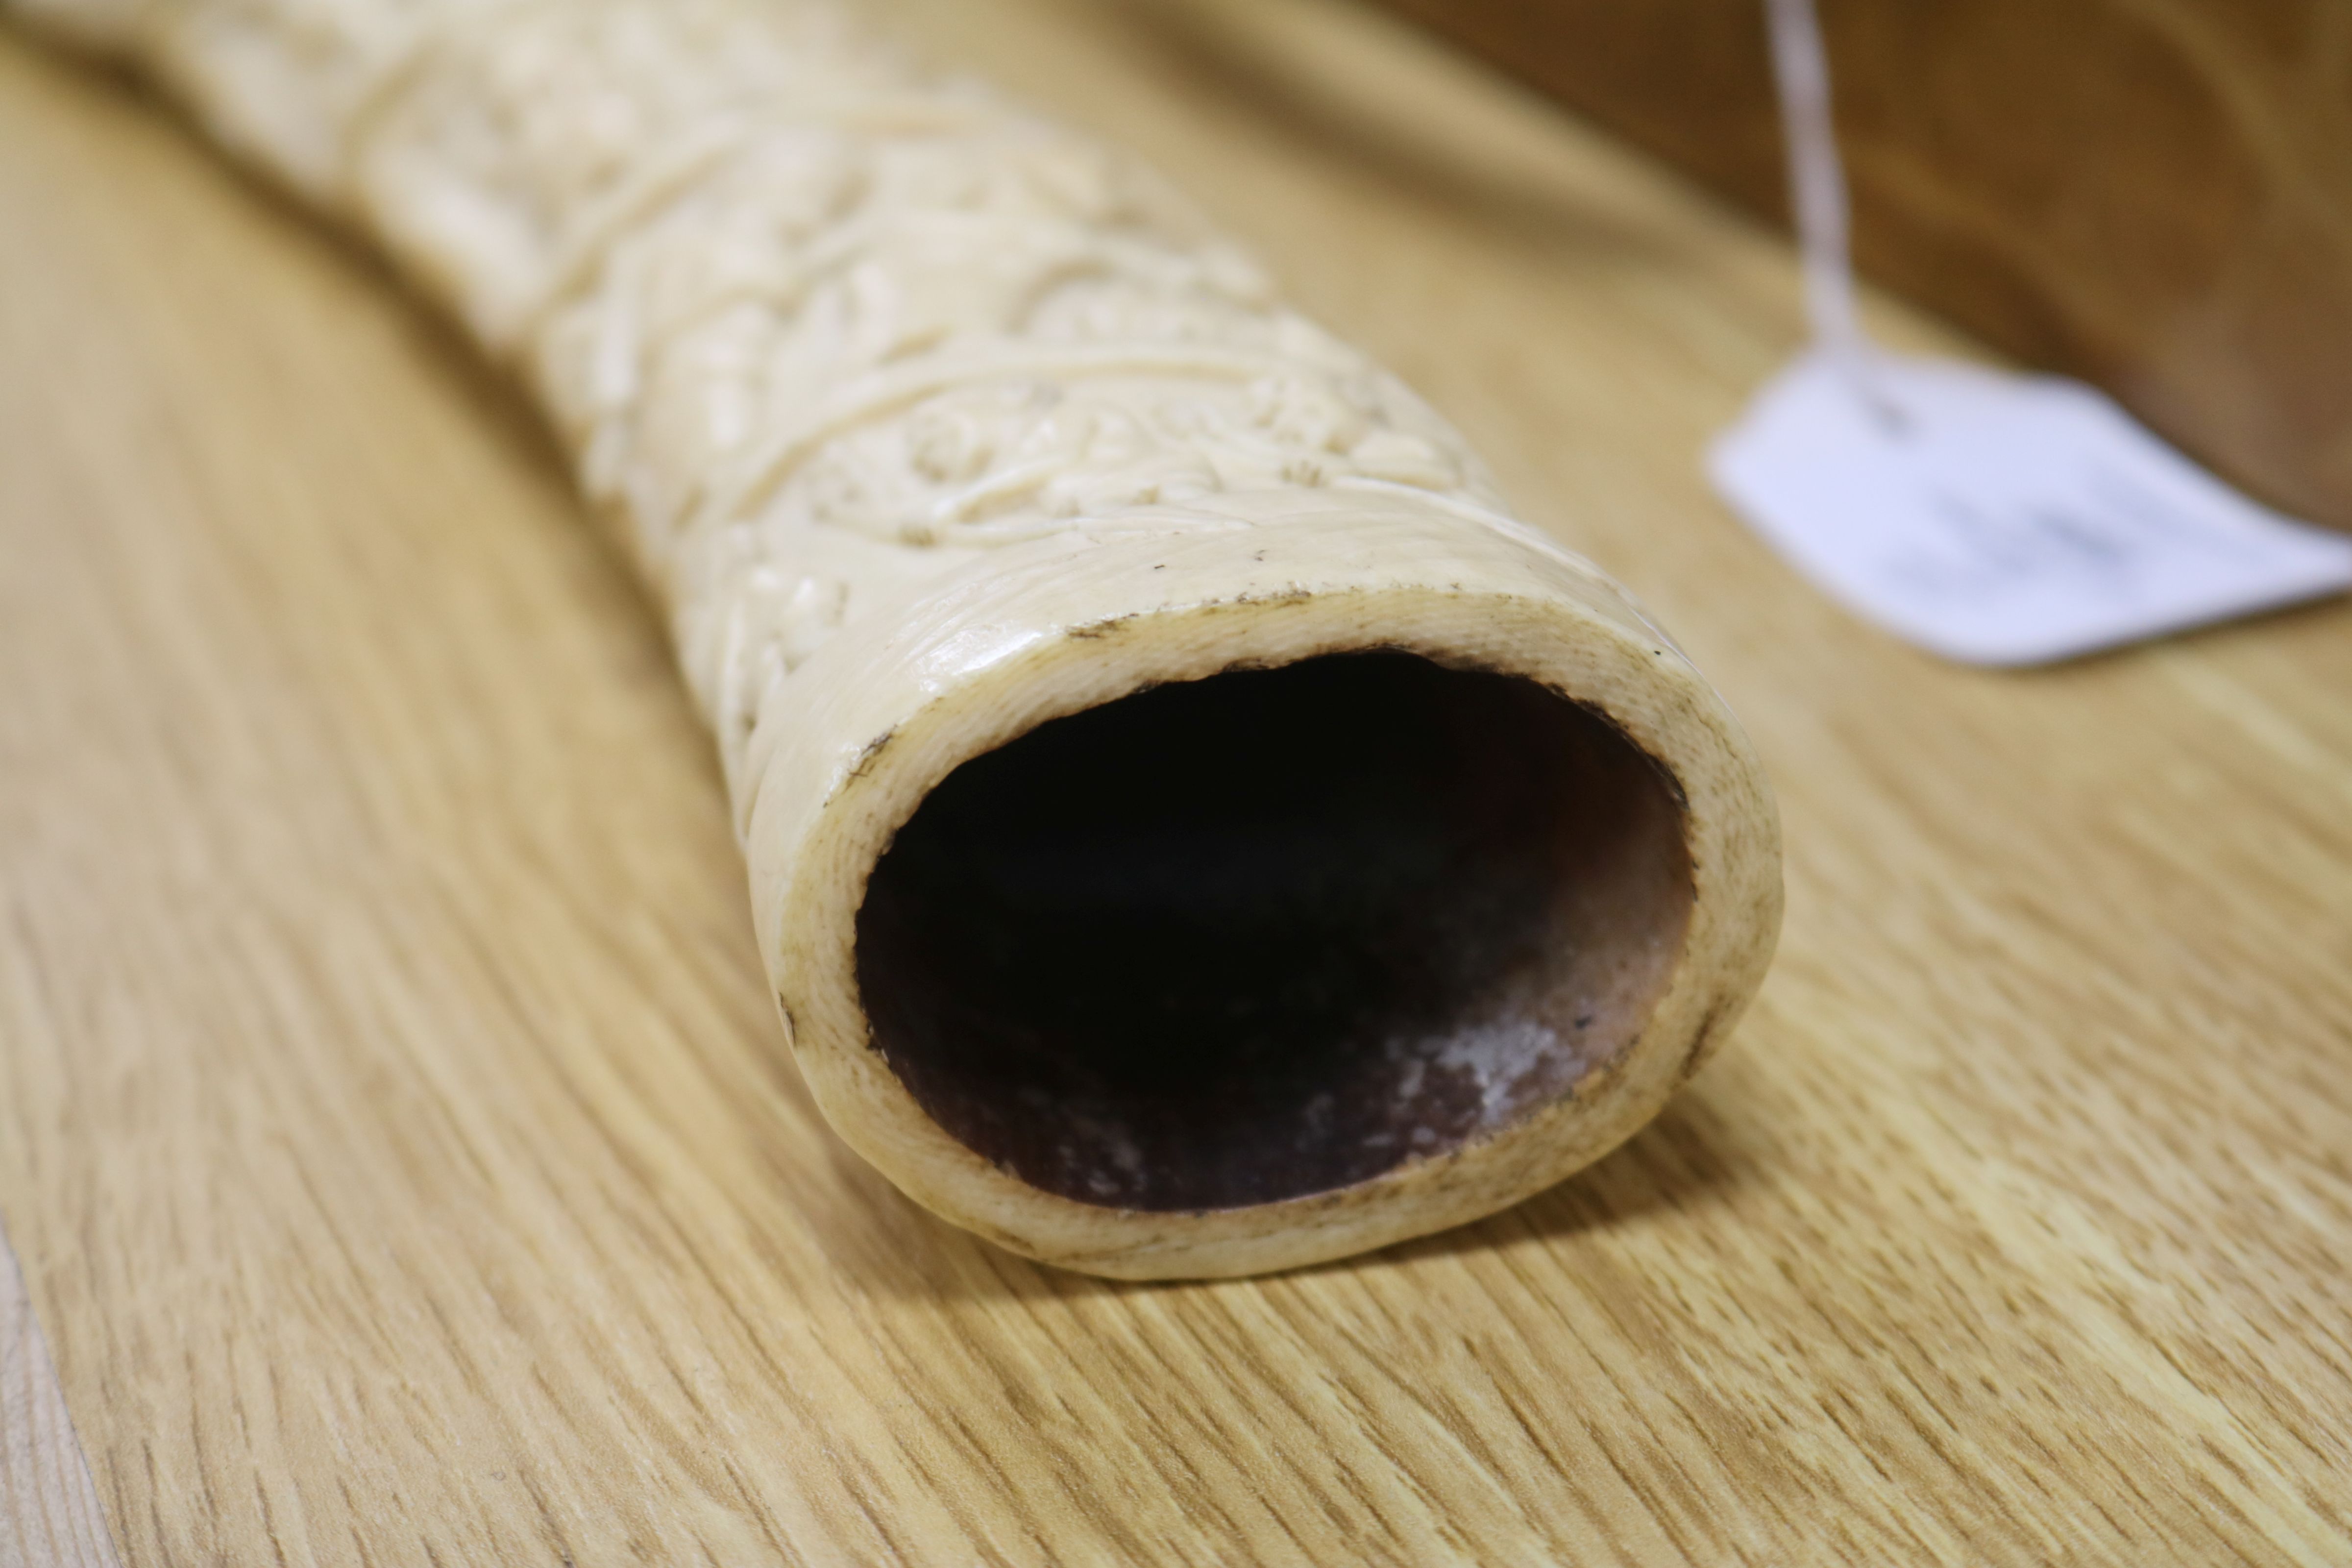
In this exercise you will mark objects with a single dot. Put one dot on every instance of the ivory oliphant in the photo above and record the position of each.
(1194, 828)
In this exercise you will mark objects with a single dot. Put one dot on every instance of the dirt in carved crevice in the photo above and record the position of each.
(1272, 933)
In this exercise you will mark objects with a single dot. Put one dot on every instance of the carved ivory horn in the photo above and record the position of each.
(1193, 830)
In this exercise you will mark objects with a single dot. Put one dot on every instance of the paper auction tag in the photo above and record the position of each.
(2003, 518)
(1992, 518)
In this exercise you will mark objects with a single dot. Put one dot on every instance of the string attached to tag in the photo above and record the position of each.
(1992, 518)
(1816, 182)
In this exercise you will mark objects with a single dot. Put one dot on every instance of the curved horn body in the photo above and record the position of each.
(1193, 829)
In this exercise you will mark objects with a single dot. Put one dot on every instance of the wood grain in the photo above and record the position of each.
(2153, 193)
(394, 1131)
(49, 1515)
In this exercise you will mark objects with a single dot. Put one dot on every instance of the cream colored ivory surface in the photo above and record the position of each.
(928, 422)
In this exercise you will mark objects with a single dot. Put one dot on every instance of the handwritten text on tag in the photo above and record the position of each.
(2003, 518)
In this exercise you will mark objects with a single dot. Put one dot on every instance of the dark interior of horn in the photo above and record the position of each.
(1273, 933)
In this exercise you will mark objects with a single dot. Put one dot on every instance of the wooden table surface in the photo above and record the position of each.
(405, 1168)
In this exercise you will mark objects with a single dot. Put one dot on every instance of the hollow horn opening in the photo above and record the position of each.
(1274, 932)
